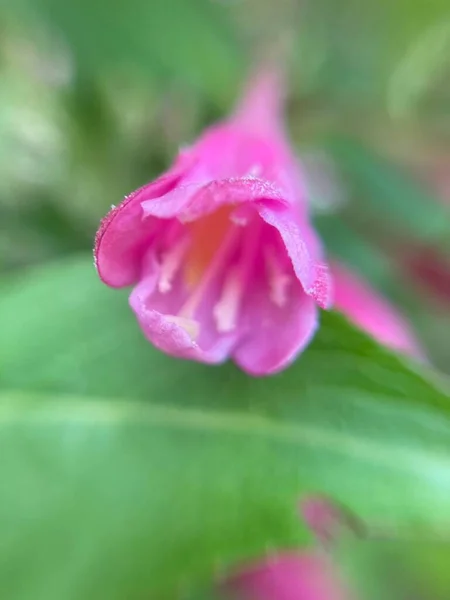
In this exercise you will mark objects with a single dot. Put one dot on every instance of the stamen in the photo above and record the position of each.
(241, 216)
(278, 280)
(171, 262)
(239, 220)
(226, 310)
(223, 253)
(236, 281)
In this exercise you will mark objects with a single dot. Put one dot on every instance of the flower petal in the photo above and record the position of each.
(236, 191)
(302, 247)
(289, 576)
(273, 335)
(124, 236)
(301, 242)
(371, 312)
(193, 337)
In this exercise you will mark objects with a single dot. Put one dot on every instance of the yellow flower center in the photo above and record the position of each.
(207, 235)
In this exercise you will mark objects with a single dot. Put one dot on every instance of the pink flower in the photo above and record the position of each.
(371, 312)
(289, 576)
(220, 249)
(306, 575)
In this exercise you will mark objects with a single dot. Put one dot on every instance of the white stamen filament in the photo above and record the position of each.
(278, 280)
(171, 262)
(239, 220)
(190, 306)
(226, 310)
(241, 216)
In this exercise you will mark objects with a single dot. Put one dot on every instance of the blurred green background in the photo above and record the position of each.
(96, 98)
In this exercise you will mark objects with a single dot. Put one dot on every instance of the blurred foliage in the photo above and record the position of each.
(95, 99)
(141, 472)
(396, 569)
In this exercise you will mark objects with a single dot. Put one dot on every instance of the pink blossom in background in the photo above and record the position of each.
(428, 268)
(305, 575)
(220, 251)
(327, 520)
(300, 575)
(371, 312)
(289, 576)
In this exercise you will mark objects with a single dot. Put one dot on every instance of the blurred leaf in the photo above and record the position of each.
(128, 499)
(398, 570)
(160, 38)
(420, 68)
(389, 194)
(330, 31)
(405, 22)
(103, 496)
(345, 244)
(211, 594)
(433, 327)
(384, 34)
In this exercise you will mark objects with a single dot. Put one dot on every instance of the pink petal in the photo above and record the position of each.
(301, 242)
(289, 577)
(302, 247)
(124, 235)
(176, 202)
(228, 151)
(371, 312)
(261, 106)
(271, 335)
(157, 313)
(236, 191)
(328, 520)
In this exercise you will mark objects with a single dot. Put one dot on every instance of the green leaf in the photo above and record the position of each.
(124, 499)
(353, 249)
(158, 38)
(125, 472)
(386, 35)
(386, 194)
(422, 66)
(397, 569)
